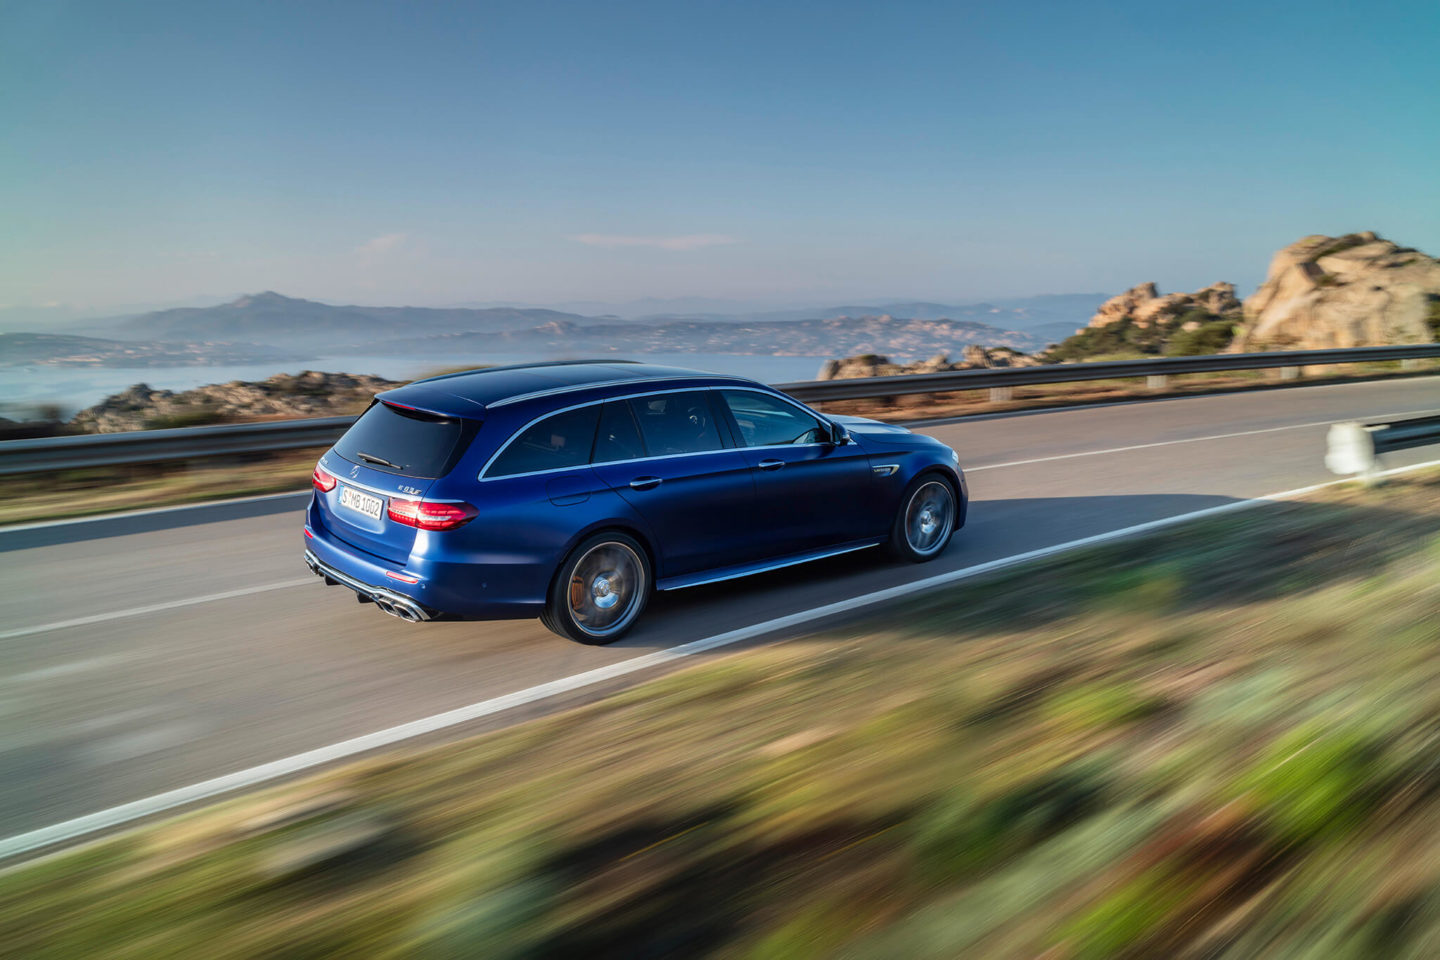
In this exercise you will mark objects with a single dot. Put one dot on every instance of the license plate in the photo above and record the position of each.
(361, 502)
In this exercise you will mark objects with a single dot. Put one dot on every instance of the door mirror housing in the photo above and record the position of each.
(839, 434)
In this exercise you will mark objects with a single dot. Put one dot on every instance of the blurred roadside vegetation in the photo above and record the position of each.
(1222, 741)
(68, 494)
(75, 493)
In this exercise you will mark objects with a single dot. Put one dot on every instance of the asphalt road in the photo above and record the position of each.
(124, 705)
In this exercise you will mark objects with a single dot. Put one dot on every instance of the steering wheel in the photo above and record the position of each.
(695, 416)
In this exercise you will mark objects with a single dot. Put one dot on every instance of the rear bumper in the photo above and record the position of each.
(448, 586)
(389, 601)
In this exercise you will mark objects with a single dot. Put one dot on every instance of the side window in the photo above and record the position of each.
(618, 438)
(677, 423)
(563, 440)
(766, 421)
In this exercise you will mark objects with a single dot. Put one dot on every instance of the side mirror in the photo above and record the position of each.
(839, 435)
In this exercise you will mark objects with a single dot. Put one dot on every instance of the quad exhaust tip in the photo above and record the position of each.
(403, 609)
(392, 603)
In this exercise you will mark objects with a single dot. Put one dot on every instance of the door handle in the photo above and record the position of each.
(771, 464)
(645, 483)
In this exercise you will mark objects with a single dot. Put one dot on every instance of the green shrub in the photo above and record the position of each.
(1315, 782)
(1100, 705)
(1092, 341)
(1153, 587)
(961, 834)
(1211, 337)
(194, 417)
(1124, 919)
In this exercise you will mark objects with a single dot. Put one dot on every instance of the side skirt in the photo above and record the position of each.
(748, 569)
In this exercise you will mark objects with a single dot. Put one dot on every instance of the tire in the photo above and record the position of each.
(600, 590)
(925, 521)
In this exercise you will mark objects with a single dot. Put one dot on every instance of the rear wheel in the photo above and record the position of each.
(600, 589)
(925, 521)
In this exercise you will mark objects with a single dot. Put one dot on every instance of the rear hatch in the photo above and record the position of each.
(391, 452)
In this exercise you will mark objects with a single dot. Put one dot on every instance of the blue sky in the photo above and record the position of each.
(432, 152)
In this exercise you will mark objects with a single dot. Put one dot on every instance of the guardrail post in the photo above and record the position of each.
(1157, 381)
(1350, 451)
(1290, 373)
(1002, 394)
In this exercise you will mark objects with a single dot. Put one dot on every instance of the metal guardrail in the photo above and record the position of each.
(1000, 377)
(154, 446)
(1356, 448)
(193, 443)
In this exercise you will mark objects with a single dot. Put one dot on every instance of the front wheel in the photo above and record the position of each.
(925, 521)
(600, 589)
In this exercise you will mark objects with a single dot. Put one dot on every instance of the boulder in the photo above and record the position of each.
(1356, 290)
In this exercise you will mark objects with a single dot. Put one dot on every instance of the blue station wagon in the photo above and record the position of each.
(573, 490)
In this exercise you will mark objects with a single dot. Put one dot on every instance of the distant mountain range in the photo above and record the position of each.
(269, 324)
(269, 317)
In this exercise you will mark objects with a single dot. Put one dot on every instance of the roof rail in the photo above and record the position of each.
(517, 366)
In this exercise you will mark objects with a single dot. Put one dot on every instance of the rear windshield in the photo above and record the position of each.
(407, 443)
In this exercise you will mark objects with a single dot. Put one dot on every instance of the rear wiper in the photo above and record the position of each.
(371, 458)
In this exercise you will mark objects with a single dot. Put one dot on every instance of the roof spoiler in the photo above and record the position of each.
(422, 408)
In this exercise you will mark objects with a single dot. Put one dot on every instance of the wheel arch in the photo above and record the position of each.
(632, 530)
(957, 488)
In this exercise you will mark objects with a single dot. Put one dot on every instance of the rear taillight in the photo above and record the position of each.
(431, 516)
(322, 480)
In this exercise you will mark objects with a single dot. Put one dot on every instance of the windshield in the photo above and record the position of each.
(407, 443)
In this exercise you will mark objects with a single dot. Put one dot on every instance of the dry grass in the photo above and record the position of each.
(78, 493)
(1219, 742)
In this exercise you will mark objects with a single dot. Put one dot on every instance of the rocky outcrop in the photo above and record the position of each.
(308, 394)
(1145, 307)
(1352, 291)
(875, 365)
(1142, 320)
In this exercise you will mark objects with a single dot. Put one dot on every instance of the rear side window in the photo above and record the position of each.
(406, 443)
(563, 440)
(674, 423)
(618, 438)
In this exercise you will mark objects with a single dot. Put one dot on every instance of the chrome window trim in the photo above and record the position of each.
(573, 387)
(612, 463)
(741, 385)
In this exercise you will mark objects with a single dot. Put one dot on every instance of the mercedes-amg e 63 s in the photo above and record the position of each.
(573, 490)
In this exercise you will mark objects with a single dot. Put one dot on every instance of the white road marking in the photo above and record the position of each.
(152, 608)
(58, 671)
(266, 772)
(1168, 443)
(139, 743)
